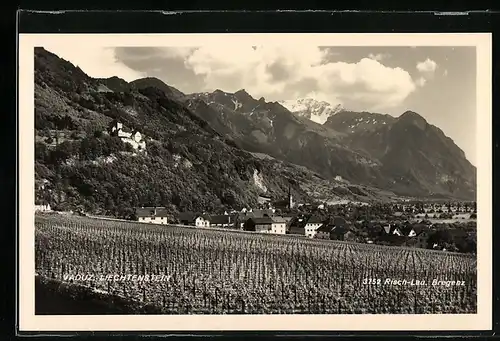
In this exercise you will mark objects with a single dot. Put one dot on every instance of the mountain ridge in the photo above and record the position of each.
(344, 134)
(80, 165)
(363, 148)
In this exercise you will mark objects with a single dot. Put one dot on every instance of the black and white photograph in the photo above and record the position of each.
(251, 177)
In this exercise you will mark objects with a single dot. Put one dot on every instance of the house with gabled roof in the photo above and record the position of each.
(405, 230)
(223, 220)
(261, 225)
(323, 232)
(339, 233)
(152, 215)
(297, 226)
(312, 224)
(278, 226)
(202, 221)
(392, 229)
(417, 229)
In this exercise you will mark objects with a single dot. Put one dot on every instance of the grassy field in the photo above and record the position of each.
(228, 272)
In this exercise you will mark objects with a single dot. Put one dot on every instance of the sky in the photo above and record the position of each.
(437, 82)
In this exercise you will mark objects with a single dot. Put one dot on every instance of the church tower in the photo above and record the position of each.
(290, 198)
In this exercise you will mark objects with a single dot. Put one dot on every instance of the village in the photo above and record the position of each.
(446, 226)
(442, 226)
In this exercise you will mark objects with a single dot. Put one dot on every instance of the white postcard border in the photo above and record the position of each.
(28, 321)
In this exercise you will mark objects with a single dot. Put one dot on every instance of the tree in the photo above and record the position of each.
(41, 152)
(441, 237)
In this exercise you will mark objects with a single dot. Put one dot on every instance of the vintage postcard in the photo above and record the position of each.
(176, 182)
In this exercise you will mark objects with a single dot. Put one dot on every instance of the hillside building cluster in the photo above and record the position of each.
(134, 137)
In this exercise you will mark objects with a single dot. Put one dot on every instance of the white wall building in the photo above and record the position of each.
(152, 215)
(135, 138)
(43, 208)
(311, 226)
(278, 225)
(201, 221)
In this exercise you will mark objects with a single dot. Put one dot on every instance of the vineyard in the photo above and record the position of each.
(227, 272)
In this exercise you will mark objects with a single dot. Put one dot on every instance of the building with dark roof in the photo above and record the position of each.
(338, 221)
(312, 224)
(262, 225)
(339, 233)
(221, 220)
(262, 213)
(187, 218)
(323, 232)
(417, 229)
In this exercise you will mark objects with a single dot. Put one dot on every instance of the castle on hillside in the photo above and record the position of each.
(134, 138)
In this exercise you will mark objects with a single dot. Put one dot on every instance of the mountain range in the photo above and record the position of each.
(231, 146)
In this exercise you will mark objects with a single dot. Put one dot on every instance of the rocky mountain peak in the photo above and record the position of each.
(243, 95)
(316, 111)
(412, 118)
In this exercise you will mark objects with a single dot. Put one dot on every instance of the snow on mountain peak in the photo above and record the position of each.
(316, 111)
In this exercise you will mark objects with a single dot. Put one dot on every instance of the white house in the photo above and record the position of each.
(396, 231)
(311, 226)
(416, 230)
(43, 208)
(201, 221)
(278, 226)
(152, 215)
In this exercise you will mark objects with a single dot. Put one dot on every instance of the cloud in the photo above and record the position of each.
(280, 72)
(165, 63)
(379, 56)
(421, 81)
(428, 66)
(98, 62)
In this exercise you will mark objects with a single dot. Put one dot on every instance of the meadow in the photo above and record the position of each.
(230, 272)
